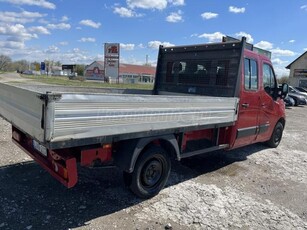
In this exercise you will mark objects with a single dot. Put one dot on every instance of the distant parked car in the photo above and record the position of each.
(294, 90)
(301, 89)
(28, 72)
(298, 98)
(289, 101)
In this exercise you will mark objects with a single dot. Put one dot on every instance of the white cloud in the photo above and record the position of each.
(292, 41)
(90, 23)
(19, 50)
(249, 37)
(214, 37)
(281, 71)
(64, 18)
(304, 7)
(153, 5)
(87, 40)
(76, 50)
(148, 4)
(141, 46)
(305, 49)
(209, 15)
(40, 3)
(60, 26)
(52, 49)
(22, 17)
(278, 61)
(12, 45)
(43, 21)
(64, 43)
(125, 12)
(39, 30)
(175, 17)
(156, 44)
(176, 2)
(236, 10)
(127, 46)
(264, 45)
(280, 52)
(16, 32)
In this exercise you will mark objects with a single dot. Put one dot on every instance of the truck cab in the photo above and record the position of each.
(261, 105)
(232, 68)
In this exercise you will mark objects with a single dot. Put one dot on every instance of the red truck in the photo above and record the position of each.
(205, 98)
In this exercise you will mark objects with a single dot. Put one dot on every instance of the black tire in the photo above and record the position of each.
(276, 136)
(150, 173)
(295, 102)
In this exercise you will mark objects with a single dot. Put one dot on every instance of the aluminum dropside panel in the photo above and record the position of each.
(80, 116)
(23, 109)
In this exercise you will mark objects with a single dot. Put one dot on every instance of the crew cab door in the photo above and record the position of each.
(267, 113)
(247, 124)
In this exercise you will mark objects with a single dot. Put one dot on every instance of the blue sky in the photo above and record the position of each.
(73, 32)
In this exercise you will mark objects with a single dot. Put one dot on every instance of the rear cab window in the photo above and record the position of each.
(251, 77)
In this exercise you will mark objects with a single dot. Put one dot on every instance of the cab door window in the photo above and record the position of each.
(269, 81)
(250, 74)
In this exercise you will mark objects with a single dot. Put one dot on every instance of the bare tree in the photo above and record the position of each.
(5, 62)
(21, 65)
(80, 70)
(283, 79)
(58, 63)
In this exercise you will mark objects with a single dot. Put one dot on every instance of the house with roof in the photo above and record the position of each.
(128, 73)
(95, 71)
(298, 71)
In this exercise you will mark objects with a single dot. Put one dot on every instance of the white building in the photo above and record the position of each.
(298, 71)
(128, 73)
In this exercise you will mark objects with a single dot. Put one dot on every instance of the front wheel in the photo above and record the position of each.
(295, 102)
(150, 173)
(276, 136)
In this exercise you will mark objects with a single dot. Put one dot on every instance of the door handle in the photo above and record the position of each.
(245, 105)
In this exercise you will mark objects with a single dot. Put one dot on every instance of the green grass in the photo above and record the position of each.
(78, 83)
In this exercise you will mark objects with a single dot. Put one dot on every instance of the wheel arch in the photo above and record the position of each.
(127, 152)
(282, 120)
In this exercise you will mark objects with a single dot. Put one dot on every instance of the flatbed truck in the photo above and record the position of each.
(206, 97)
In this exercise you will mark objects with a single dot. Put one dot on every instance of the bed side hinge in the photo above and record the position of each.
(49, 96)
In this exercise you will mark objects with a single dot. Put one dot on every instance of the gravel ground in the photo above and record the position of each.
(249, 188)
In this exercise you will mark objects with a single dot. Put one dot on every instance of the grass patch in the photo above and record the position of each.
(52, 80)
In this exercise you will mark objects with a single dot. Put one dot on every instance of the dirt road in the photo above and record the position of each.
(12, 77)
(250, 188)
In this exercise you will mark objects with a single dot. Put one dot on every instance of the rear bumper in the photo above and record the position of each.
(63, 168)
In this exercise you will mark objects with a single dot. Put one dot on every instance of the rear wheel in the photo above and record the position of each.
(295, 102)
(150, 173)
(276, 136)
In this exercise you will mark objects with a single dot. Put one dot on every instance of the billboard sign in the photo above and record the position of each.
(111, 50)
(37, 67)
(111, 60)
(43, 66)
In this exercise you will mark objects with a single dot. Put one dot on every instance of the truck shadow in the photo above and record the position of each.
(213, 161)
(31, 198)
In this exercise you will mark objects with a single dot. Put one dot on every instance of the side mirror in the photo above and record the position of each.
(283, 91)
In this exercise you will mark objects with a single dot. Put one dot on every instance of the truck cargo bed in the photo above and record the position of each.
(59, 120)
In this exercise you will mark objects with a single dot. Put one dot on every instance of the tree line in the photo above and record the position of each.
(8, 65)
